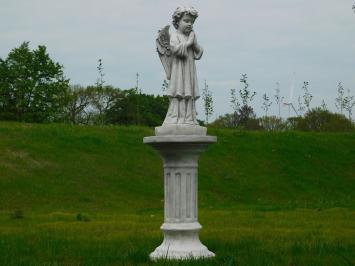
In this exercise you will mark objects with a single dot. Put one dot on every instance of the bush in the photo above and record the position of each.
(322, 120)
(317, 119)
(272, 123)
(252, 124)
(228, 121)
(82, 217)
(246, 117)
(222, 121)
(17, 214)
(292, 123)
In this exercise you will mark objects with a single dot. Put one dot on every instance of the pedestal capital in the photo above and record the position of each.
(198, 139)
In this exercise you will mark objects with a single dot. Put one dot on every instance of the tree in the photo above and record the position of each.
(339, 101)
(301, 107)
(208, 102)
(123, 109)
(307, 97)
(102, 99)
(33, 87)
(266, 103)
(278, 98)
(324, 106)
(242, 108)
(100, 80)
(246, 114)
(79, 99)
(245, 94)
(138, 91)
(349, 103)
(235, 106)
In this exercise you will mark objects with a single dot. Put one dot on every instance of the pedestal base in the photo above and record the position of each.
(181, 241)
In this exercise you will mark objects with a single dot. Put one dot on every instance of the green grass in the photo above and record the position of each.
(264, 198)
(297, 237)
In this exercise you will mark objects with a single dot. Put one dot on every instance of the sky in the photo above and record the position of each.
(271, 41)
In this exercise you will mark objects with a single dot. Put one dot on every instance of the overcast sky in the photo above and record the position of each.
(268, 40)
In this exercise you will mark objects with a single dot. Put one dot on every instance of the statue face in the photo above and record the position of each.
(186, 23)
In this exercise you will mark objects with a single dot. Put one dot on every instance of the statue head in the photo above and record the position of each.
(184, 17)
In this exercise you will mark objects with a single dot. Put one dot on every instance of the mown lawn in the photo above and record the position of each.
(238, 237)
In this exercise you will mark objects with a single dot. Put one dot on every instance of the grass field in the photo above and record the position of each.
(264, 198)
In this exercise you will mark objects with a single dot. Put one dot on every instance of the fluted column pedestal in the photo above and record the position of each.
(180, 155)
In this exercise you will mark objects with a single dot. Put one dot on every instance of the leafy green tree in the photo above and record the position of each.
(278, 97)
(242, 108)
(102, 99)
(33, 87)
(349, 103)
(324, 106)
(245, 94)
(266, 103)
(207, 102)
(123, 110)
(339, 101)
(100, 69)
(78, 102)
(301, 108)
(307, 96)
(235, 104)
(138, 91)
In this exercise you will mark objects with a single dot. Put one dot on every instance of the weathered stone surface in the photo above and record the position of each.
(180, 141)
(181, 227)
(178, 52)
(180, 129)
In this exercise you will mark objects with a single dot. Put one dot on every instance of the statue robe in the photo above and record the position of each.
(183, 86)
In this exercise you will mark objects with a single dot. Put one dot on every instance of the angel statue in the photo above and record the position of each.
(178, 53)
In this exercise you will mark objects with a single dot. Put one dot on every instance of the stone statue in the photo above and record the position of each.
(178, 53)
(180, 141)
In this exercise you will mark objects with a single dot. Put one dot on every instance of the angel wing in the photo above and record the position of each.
(163, 49)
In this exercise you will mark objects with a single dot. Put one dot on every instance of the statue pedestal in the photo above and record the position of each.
(180, 155)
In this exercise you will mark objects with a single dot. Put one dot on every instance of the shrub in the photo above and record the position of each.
(223, 121)
(252, 124)
(246, 117)
(322, 120)
(229, 121)
(272, 123)
(292, 123)
(17, 214)
(82, 217)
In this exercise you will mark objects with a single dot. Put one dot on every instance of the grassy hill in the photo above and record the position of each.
(61, 167)
(264, 198)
